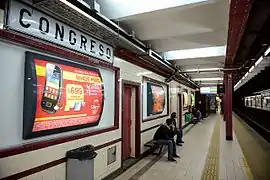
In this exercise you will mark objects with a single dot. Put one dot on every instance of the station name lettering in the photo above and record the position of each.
(64, 35)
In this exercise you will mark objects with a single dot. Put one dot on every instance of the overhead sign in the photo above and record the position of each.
(27, 20)
(208, 90)
(220, 88)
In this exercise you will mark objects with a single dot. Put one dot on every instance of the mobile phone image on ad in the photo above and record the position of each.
(52, 88)
(60, 96)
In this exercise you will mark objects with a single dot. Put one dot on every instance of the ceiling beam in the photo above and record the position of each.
(238, 15)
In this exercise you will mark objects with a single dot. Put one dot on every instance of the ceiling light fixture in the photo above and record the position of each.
(241, 82)
(259, 60)
(208, 79)
(267, 51)
(196, 53)
(210, 83)
(204, 69)
(251, 69)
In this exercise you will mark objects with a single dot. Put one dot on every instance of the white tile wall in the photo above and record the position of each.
(101, 169)
(134, 73)
(18, 163)
(22, 162)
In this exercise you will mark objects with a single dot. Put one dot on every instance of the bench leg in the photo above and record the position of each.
(153, 151)
(154, 148)
(160, 149)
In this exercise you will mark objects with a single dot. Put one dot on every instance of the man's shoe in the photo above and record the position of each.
(172, 160)
(182, 142)
(176, 156)
(179, 144)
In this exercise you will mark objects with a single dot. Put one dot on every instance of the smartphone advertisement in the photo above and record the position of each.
(155, 99)
(66, 96)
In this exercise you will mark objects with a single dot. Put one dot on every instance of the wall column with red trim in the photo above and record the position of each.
(224, 98)
(238, 16)
(228, 105)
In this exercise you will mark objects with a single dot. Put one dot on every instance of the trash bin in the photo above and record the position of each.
(80, 163)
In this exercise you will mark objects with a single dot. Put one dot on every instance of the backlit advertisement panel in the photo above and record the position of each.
(185, 100)
(155, 99)
(60, 96)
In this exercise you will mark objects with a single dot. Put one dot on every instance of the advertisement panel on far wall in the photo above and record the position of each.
(192, 99)
(185, 99)
(155, 99)
(60, 96)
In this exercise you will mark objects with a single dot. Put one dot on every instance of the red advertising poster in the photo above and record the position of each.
(66, 96)
(158, 99)
(63, 96)
(155, 99)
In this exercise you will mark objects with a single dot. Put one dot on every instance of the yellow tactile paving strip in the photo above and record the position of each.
(211, 168)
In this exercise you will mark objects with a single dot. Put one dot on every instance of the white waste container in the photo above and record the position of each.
(80, 163)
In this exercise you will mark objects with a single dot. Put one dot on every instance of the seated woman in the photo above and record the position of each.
(176, 130)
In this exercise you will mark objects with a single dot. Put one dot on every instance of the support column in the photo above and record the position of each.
(224, 98)
(228, 105)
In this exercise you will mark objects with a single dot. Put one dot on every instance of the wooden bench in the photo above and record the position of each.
(153, 146)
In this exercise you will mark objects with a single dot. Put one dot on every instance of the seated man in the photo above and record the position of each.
(199, 111)
(176, 130)
(194, 114)
(162, 137)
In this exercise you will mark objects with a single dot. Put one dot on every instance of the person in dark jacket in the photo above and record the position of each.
(199, 111)
(176, 130)
(163, 137)
(222, 105)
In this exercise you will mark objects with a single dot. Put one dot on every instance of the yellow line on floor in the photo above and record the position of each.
(211, 167)
(247, 169)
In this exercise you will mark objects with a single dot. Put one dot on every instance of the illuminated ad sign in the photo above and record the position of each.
(155, 99)
(60, 96)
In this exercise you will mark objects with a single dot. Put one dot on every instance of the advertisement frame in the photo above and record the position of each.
(30, 98)
(52, 49)
(185, 99)
(158, 83)
(149, 84)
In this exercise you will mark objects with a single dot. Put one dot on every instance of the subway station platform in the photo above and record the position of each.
(207, 155)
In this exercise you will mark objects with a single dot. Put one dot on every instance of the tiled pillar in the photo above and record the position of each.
(228, 105)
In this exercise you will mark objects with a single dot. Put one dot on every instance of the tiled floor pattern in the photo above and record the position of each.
(211, 167)
(232, 161)
(221, 159)
(189, 167)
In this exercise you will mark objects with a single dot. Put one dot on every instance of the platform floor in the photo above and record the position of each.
(206, 155)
